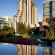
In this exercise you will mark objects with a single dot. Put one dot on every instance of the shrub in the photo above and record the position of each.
(6, 30)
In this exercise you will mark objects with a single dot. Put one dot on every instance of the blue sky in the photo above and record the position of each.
(9, 8)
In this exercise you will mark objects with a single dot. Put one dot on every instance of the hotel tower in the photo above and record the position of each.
(27, 13)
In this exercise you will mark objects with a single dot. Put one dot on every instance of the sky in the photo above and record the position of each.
(9, 8)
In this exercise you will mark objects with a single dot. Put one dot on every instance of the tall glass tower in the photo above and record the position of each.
(49, 9)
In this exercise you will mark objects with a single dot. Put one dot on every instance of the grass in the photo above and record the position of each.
(33, 37)
(11, 37)
(25, 36)
(42, 43)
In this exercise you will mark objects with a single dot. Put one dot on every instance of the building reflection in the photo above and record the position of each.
(33, 50)
(47, 51)
(26, 50)
(53, 51)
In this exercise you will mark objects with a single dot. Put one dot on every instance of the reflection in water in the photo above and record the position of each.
(40, 51)
(9, 49)
(47, 51)
(26, 50)
(15, 49)
(34, 50)
(53, 51)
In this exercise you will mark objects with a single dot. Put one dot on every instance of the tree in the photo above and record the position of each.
(45, 27)
(36, 31)
(5, 28)
(50, 33)
(21, 28)
(28, 28)
(11, 31)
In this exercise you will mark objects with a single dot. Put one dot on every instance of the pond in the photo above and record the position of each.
(16, 49)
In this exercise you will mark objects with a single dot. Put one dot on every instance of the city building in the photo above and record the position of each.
(2, 22)
(9, 21)
(27, 13)
(6, 21)
(48, 9)
(44, 23)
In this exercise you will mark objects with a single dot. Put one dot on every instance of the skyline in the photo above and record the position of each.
(9, 8)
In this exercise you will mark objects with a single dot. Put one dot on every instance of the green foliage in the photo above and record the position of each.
(33, 37)
(0, 30)
(11, 31)
(5, 28)
(28, 28)
(22, 29)
(6, 31)
(11, 37)
(42, 43)
(25, 36)
(50, 33)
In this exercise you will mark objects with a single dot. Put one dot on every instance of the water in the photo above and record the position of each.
(8, 49)
(40, 51)
(15, 49)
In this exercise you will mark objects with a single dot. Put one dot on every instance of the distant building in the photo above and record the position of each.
(6, 21)
(2, 22)
(48, 9)
(9, 20)
(44, 22)
(27, 13)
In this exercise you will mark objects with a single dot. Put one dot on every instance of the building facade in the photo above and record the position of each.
(2, 22)
(6, 21)
(48, 9)
(44, 22)
(9, 21)
(27, 13)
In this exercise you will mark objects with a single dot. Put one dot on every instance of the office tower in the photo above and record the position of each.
(48, 9)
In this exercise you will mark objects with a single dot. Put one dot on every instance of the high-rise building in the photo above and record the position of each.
(49, 9)
(27, 13)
